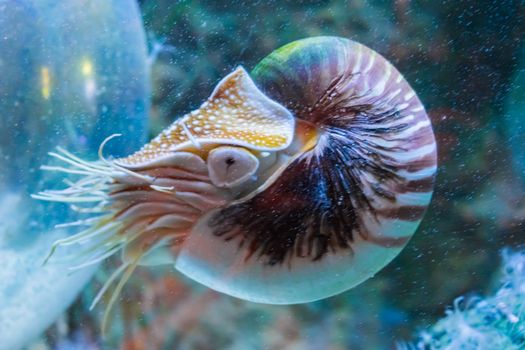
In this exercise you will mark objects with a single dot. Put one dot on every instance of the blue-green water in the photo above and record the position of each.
(72, 74)
(75, 72)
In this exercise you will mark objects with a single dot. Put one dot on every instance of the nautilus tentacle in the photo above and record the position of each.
(287, 188)
(148, 202)
(343, 209)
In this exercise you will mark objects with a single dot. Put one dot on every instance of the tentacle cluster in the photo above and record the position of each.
(136, 212)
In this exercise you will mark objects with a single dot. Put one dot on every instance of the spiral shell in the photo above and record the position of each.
(341, 210)
(286, 189)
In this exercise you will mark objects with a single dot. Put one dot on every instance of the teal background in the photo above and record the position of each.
(463, 58)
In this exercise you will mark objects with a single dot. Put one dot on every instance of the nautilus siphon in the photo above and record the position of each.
(290, 184)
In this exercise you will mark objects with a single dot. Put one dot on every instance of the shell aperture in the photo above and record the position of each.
(287, 190)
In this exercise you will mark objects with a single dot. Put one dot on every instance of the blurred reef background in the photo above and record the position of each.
(466, 61)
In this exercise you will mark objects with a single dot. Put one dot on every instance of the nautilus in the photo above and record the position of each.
(289, 184)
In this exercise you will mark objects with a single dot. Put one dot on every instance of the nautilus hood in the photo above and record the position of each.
(236, 113)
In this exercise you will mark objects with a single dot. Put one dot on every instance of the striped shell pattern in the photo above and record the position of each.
(341, 210)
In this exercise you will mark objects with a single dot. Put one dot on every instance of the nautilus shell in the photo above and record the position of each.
(290, 184)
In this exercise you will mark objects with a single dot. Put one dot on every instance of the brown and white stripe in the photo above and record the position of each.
(342, 210)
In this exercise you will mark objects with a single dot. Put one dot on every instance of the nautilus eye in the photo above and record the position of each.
(336, 159)
(231, 166)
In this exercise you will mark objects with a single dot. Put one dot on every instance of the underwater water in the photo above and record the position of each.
(71, 74)
(74, 73)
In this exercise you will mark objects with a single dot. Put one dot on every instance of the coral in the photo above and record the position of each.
(493, 322)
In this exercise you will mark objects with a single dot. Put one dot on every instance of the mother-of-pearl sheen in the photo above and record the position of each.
(205, 259)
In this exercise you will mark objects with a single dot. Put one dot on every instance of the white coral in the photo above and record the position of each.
(493, 322)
